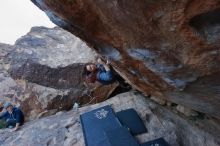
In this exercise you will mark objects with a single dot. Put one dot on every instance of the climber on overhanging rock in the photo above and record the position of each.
(100, 72)
(13, 116)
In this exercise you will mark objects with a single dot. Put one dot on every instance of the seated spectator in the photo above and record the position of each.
(100, 72)
(13, 116)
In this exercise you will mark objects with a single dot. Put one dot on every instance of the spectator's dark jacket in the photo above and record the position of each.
(17, 115)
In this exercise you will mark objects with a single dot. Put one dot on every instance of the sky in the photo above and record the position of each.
(17, 17)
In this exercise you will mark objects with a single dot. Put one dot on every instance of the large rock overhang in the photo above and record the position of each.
(168, 49)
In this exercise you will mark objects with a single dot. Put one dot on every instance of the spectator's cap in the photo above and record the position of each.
(7, 104)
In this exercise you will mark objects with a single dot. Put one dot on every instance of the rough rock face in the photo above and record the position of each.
(45, 71)
(64, 128)
(169, 49)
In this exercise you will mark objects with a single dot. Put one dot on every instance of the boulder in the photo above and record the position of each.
(42, 72)
(169, 49)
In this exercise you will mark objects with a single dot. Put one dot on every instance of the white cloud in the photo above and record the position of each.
(17, 17)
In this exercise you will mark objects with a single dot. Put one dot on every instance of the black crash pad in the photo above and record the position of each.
(95, 123)
(129, 118)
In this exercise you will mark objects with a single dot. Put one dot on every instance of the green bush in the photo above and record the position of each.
(2, 124)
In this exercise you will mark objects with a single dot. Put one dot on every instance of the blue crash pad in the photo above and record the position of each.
(121, 137)
(102, 128)
(95, 123)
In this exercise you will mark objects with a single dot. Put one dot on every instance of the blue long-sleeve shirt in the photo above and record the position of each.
(103, 76)
(16, 114)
